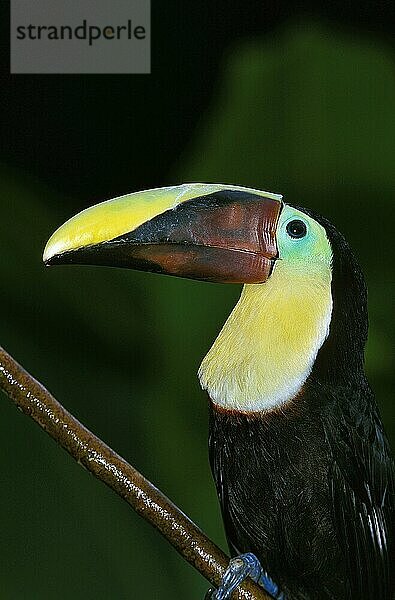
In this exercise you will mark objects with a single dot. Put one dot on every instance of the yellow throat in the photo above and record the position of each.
(267, 347)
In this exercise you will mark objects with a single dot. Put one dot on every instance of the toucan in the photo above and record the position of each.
(301, 463)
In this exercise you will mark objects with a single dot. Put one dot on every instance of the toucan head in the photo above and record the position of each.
(285, 256)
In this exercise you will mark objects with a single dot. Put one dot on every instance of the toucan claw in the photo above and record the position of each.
(239, 568)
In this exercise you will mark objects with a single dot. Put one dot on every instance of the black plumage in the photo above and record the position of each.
(309, 487)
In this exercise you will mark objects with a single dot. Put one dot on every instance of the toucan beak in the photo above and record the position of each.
(211, 232)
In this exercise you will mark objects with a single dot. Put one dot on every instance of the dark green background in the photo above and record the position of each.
(297, 104)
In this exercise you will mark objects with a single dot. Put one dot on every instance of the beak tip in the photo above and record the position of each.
(50, 259)
(52, 251)
(47, 256)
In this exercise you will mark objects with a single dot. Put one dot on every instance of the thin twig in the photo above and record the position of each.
(149, 502)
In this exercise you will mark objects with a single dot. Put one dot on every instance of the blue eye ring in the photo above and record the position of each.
(296, 229)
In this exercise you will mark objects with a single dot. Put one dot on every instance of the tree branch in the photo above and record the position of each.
(149, 502)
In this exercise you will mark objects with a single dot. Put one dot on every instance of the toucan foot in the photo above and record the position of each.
(241, 567)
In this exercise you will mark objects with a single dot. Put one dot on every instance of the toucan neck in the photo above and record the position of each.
(267, 347)
(340, 361)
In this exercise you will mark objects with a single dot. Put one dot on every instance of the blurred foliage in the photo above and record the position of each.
(308, 113)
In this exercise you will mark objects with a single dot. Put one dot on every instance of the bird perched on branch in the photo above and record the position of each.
(297, 449)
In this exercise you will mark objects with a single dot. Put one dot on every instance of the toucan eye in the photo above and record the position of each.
(296, 229)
